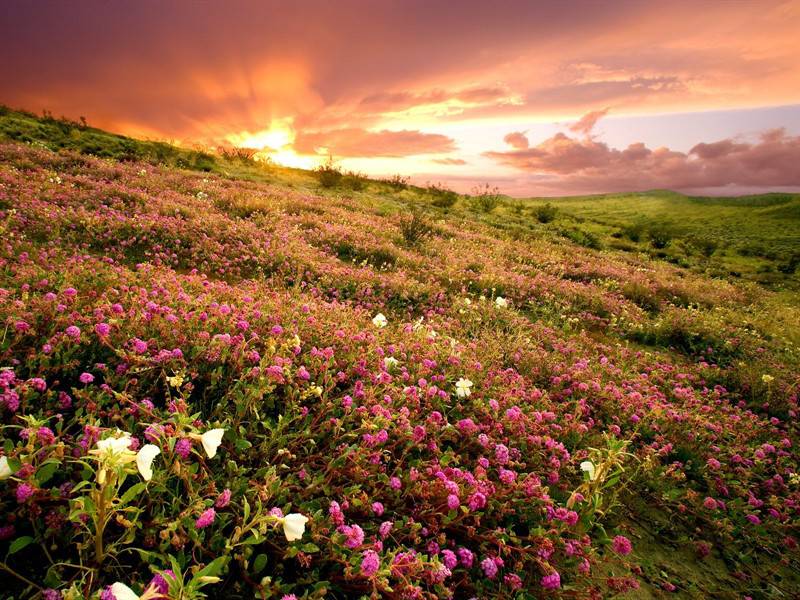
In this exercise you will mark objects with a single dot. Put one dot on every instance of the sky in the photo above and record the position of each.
(537, 98)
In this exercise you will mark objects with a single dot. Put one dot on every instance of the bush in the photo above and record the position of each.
(442, 196)
(660, 236)
(485, 198)
(234, 153)
(329, 174)
(415, 227)
(354, 181)
(634, 231)
(397, 182)
(545, 213)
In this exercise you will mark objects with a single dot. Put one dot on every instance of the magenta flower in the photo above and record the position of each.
(24, 492)
(223, 499)
(621, 545)
(73, 332)
(489, 568)
(86, 378)
(102, 329)
(370, 563)
(206, 519)
(183, 448)
(551, 581)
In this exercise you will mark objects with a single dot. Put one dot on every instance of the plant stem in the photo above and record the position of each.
(11, 571)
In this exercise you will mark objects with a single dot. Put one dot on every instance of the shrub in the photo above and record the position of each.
(660, 236)
(354, 181)
(235, 153)
(634, 231)
(442, 196)
(545, 213)
(329, 174)
(485, 198)
(415, 227)
(397, 182)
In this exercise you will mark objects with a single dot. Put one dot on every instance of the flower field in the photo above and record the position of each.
(215, 387)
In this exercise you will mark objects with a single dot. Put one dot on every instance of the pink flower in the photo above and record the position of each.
(552, 581)
(206, 519)
(183, 447)
(710, 503)
(24, 492)
(377, 508)
(449, 559)
(223, 499)
(86, 378)
(453, 502)
(489, 568)
(395, 483)
(621, 545)
(73, 332)
(370, 563)
(102, 329)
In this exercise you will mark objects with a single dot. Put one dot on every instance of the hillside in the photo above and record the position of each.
(378, 390)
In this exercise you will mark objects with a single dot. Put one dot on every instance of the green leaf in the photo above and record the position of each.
(259, 563)
(46, 471)
(309, 547)
(212, 569)
(246, 510)
(18, 544)
(132, 492)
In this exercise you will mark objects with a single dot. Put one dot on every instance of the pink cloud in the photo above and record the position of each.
(586, 123)
(517, 139)
(585, 165)
(449, 161)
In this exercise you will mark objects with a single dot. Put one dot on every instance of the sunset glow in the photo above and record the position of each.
(419, 89)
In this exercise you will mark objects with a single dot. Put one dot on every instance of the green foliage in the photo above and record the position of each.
(329, 174)
(415, 227)
(545, 213)
(485, 198)
(442, 197)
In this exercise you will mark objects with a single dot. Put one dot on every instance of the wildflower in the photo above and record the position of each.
(294, 525)
(449, 559)
(489, 568)
(710, 503)
(211, 440)
(51, 594)
(160, 583)
(463, 388)
(206, 519)
(5, 468)
(395, 483)
(377, 508)
(551, 581)
(466, 557)
(385, 529)
(24, 492)
(621, 545)
(587, 466)
(102, 329)
(379, 321)
(86, 378)
(370, 563)
(767, 379)
(223, 499)
(144, 460)
(183, 447)
(501, 302)
(73, 331)
(453, 502)
(120, 591)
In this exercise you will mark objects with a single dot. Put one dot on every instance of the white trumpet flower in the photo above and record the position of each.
(294, 525)
(144, 460)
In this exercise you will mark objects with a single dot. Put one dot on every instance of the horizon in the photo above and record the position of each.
(538, 100)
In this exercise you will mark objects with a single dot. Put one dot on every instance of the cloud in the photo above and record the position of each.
(571, 165)
(355, 142)
(517, 139)
(587, 122)
(449, 161)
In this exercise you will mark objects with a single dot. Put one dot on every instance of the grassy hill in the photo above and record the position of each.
(224, 379)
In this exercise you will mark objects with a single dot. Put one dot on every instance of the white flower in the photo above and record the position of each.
(294, 525)
(144, 460)
(5, 470)
(379, 320)
(463, 388)
(390, 362)
(588, 466)
(211, 440)
(115, 445)
(501, 302)
(123, 592)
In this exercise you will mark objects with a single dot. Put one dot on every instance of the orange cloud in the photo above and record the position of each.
(353, 142)
(587, 122)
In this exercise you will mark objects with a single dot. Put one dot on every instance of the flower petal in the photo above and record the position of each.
(294, 525)
(123, 592)
(144, 460)
(211, 440)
